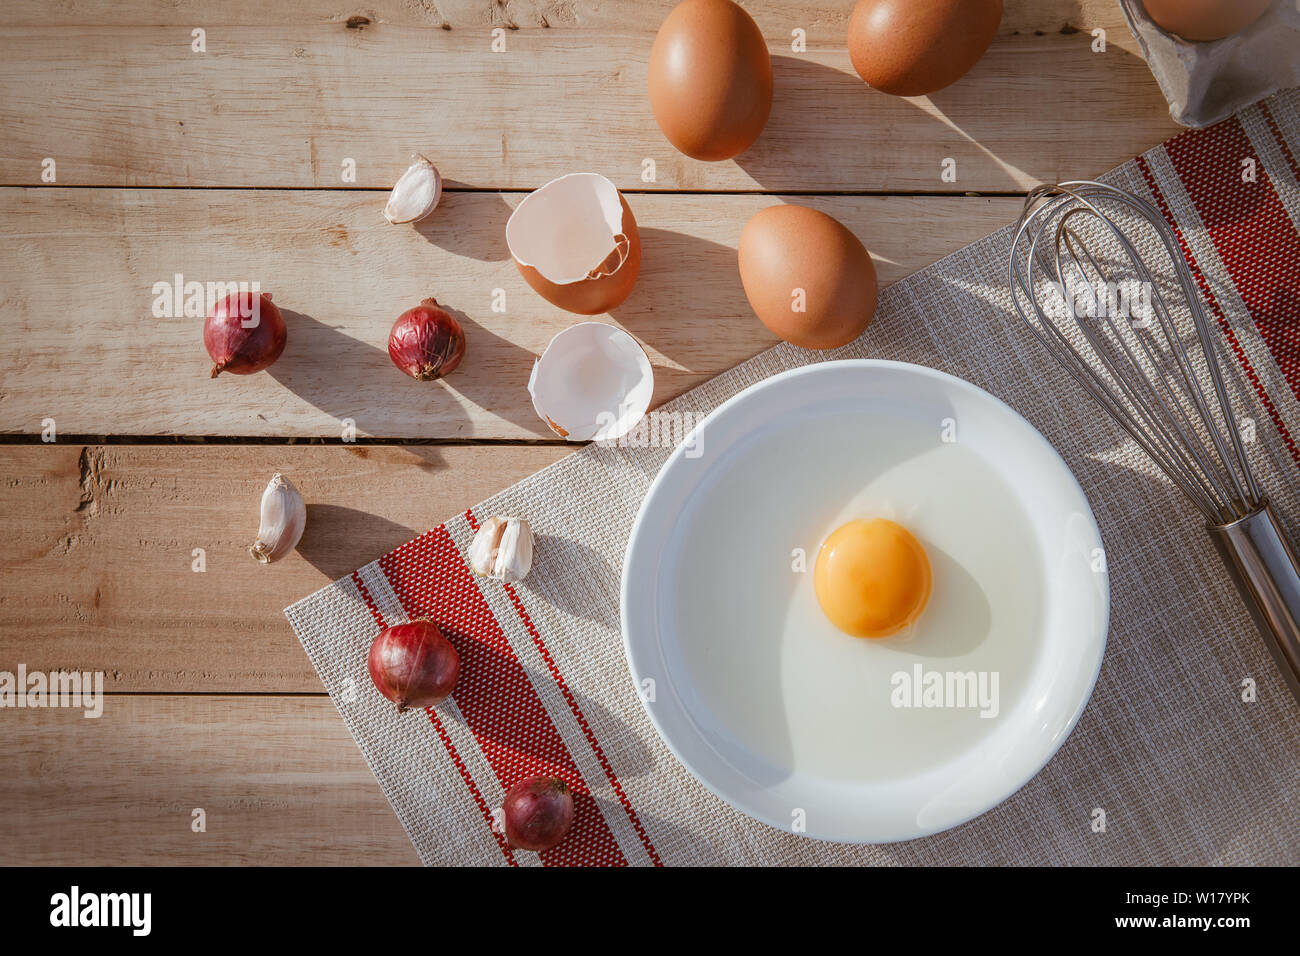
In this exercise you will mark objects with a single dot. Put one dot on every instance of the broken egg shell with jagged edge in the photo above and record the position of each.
(576, 243)
(416, 194)
(593, 383)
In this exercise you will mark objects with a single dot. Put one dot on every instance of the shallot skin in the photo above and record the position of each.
(426, 342)
(538, 813)
(413, 665)
(240, 348)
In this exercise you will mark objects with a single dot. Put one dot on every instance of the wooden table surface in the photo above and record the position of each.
(227, 164)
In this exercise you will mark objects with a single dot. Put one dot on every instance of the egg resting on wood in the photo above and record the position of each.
(808, 278)
(916, 47)
(710, 79)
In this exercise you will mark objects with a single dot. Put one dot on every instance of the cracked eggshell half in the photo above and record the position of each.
(575, 242)
(593, 383)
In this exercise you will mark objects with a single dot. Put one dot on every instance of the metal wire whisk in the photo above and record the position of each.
(1117, 307)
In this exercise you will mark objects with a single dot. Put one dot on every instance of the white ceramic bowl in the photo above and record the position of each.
(1059, 671)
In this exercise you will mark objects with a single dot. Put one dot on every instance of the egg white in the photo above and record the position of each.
(766, 665)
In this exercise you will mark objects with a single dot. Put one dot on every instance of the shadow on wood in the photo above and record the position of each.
(351, 380)
(469, 224)
(494, 375)
(688, 305)
(338, 540)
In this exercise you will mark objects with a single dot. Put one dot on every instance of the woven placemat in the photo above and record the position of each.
(1185, 770)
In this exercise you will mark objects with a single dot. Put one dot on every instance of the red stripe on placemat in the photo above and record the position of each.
(446, 740)
(1255, 238)
(1213, 303)
(473, 787)
(365, 596)
(494, 693)
(586, 728)
(577, 712)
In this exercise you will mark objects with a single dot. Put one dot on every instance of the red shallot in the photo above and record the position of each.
(413, 665)
(426, 342)
(538, 812)
(244, 333)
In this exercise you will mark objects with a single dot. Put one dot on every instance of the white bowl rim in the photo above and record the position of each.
(1032, 434)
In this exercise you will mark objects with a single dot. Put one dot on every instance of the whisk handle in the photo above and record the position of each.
(1267, 573)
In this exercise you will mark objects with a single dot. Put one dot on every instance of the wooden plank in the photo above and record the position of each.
(823, 19)
(78, 267)
(96, 571)
(264, 106)
(279, 779)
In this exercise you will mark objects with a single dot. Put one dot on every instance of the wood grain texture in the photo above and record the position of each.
(827, 19)
(77, 270)
(96, 572)
(279, 779)
(274, 104)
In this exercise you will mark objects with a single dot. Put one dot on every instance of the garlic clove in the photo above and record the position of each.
(283, 518)
(416, 194)
(483, 549)
(515, 553)
(502, 549)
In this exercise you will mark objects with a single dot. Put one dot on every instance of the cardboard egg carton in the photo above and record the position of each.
(1207, 82)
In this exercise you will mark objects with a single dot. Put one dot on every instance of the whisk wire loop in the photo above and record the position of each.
(1170, 399)
(1173, 402)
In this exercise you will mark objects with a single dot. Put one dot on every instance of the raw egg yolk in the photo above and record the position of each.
(872, 578)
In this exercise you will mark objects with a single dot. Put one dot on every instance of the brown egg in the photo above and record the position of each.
(808, 278)
(1201, 20)
(915, 47)
(710, 79)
